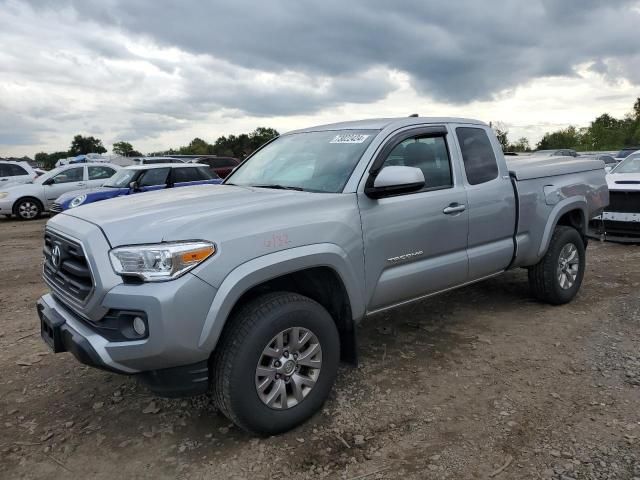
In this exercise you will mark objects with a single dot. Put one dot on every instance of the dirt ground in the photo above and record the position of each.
(482, 382)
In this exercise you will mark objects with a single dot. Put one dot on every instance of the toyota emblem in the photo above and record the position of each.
(55, 256)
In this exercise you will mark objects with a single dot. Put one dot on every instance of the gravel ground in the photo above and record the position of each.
(481, 382)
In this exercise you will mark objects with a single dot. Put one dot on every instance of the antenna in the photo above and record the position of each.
(414, 115)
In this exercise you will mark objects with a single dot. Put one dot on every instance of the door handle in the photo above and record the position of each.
(81, 184)
(454, 208)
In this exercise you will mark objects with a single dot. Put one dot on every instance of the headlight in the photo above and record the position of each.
(77, 201)
(4, 194)
(160, 262)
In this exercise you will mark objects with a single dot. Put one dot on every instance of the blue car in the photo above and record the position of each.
(138, 179)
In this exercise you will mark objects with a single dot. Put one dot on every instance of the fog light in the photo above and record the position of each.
(139, 326)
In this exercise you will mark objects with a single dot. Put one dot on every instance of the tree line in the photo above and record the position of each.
(603, 133)
(238, 146)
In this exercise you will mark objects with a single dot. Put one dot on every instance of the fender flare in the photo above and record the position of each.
(562, 207)
(267, 267)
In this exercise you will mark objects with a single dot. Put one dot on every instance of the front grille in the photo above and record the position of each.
(624, 202)
(66, 268)
(55, 208)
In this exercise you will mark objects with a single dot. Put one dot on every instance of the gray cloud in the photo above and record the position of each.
(136, 69)
(458, 51)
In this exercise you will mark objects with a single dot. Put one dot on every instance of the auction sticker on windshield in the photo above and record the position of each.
(349, 138)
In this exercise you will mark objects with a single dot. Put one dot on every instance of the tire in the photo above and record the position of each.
(554, 280)
(241, 350)
(28, 209)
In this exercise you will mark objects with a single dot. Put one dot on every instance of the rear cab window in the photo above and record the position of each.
(478, 156)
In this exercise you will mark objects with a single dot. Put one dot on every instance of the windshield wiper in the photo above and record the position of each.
(280, 187)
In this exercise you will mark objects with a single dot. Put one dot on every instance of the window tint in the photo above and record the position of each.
(15, 170)
(99, 173)
(156, 176)
(429, 155)
(477, 153)
(182, 175)
(4, 170)
(70, 175)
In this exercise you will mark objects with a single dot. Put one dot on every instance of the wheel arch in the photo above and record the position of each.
(320, 272)
(571, 212)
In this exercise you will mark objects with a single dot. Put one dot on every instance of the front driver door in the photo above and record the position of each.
(66, 181)
(415, 243)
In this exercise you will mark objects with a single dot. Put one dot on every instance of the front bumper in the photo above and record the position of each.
(6, 207)
(175, 312)
(616, 226)
(64, 332)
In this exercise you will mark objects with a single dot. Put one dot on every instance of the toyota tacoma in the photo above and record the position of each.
(252, 289)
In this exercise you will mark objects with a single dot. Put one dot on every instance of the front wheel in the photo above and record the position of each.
(276, 363)
(556, 279)
(28, 209)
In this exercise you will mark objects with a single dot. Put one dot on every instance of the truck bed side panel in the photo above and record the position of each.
(543, 201)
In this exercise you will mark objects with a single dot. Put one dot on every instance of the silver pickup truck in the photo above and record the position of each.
(252, 289)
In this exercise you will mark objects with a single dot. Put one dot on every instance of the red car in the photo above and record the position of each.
(222, 166)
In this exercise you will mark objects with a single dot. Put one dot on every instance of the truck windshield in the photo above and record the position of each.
(310, 161)
(122, 179)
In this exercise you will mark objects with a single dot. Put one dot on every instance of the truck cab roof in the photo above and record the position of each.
(382, 123)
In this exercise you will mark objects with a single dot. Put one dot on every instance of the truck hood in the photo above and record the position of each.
(189, 212)
(624, 181)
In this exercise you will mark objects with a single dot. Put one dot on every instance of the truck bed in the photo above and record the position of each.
(548, 187)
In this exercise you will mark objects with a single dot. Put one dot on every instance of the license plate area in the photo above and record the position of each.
(50, 331)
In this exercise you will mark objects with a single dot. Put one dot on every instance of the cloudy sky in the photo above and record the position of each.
(158, 73)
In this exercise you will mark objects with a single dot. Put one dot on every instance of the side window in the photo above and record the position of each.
(69, 175)
(205, 174)
(100, 173)
(4, 170)
(183, 175)
(477, 154)
(153, 177)
(15, 170)
(429, 154)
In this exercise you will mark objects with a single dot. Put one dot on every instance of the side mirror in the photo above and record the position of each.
(395, 180)
(134, 186)
(608, 168)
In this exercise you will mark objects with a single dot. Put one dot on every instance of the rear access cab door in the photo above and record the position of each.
(491, 200)
(415, 243)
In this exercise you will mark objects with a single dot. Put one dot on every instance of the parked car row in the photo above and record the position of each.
(73, 185)
(220, 166)
(139, 179)
(29, 200)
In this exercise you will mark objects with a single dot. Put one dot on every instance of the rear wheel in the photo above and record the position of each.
(28, 209)
(556, 279)
(276, 363)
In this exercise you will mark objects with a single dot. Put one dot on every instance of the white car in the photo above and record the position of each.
(15, 172)
(620, 221)
(27, 201)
